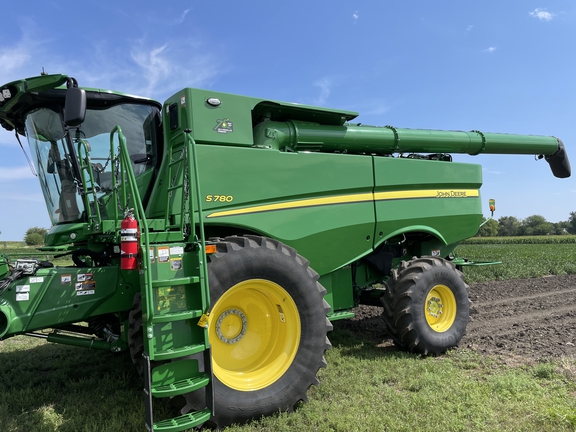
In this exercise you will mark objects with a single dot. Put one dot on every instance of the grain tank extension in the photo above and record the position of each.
(215, 237)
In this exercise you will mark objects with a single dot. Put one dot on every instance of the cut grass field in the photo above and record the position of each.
(366, 387)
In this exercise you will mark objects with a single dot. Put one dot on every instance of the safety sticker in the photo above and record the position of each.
(152, 255)
(81, 277)
(36, 279)
(86, 285)
(176, 263)
(66, 279)
(22, 296)
(176, 250)
(203, 321)
(22, 288)
(81, 293)
(5, 94)
(163, 254)
(436, 252)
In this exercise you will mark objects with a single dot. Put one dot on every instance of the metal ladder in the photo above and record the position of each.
(174, 329)
(175, 294)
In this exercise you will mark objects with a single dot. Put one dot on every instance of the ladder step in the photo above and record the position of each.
(180, 387)
(178, 352)
(173, 226)
(183, 422)
(176, 161)
(176, 316)
(178, 186)
(178, 281)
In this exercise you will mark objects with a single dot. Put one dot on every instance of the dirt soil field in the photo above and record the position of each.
(531, 318)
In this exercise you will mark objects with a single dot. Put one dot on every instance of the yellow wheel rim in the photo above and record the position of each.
(255, 332)
(440, 308)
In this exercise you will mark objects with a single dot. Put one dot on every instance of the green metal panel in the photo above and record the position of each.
(433, 196)
(338, 286)
(65, 295)
(228, 123)
(177, 302)
(320, 204)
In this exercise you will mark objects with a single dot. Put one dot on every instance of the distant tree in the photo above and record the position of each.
(572, 223)
(562, 227)
(489, 229)
(508, 226)
(536, 225)
(35, 236)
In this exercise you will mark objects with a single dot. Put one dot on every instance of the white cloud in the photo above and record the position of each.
(12, 59)
(373, 108)
(153, 69)
(156, 66)
(542, 14)
(19, 196)
(325, 85)
(15, 173)
(16, 58)
(8, 139)
(355, 17)
(490, 171)
(182, 17)
(163, 69)
(490, 50)
(469, 28)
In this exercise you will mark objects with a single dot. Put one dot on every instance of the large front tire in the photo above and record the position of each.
(267, 329)
(426, 306)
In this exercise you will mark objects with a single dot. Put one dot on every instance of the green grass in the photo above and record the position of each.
(19, 250)
(15, 250)
(519, 261)
(45, 388)
(553, 239)
(11, 244)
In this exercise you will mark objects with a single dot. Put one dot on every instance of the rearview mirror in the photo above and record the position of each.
(75, 106)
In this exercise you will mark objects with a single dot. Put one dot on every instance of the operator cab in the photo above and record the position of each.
(59, 136)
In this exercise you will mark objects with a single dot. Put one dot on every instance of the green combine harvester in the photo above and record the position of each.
(215, 237)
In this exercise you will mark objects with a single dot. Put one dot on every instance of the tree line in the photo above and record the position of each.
(532, 225)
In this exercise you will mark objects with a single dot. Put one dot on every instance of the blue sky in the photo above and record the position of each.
(492, 66)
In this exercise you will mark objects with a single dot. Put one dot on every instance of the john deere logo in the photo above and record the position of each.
(224, 126)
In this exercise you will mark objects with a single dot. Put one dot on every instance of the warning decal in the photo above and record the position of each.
(163, 254)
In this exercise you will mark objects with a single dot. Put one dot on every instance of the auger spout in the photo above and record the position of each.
(302, 136)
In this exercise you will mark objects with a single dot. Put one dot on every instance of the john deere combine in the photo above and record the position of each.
(215, 236)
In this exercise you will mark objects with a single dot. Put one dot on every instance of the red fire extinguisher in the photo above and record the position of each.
(129, 235)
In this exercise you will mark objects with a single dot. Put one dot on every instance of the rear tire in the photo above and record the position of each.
(426, 306)
(267, 329)
(136, 334)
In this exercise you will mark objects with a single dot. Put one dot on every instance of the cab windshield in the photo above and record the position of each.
(54, 152)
